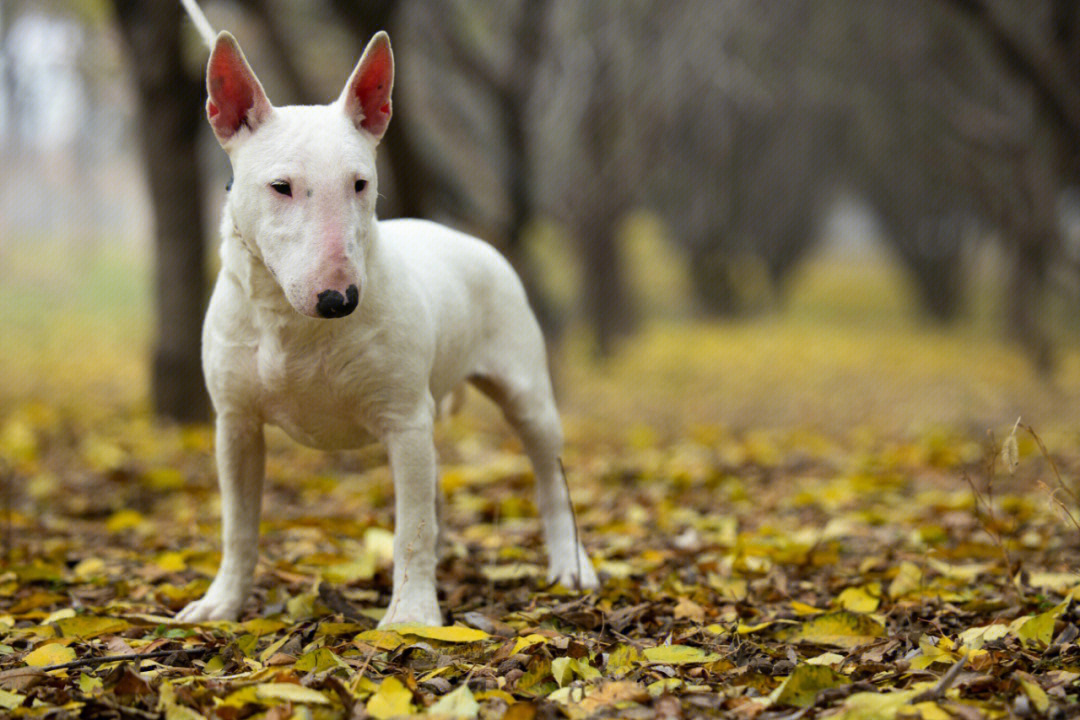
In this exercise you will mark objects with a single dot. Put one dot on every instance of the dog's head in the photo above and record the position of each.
(304, 184)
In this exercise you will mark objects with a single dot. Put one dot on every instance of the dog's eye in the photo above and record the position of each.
(360, 185)
(282, 187)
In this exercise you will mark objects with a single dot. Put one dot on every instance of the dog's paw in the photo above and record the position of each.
(571, 573)
(210, 608)
(419, 611)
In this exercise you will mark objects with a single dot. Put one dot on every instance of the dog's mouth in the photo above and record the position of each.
(332, 304)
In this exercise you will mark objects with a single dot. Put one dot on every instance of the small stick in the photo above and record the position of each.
(85, 662)
(573, 516)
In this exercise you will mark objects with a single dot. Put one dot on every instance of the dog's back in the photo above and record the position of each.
(478, 304)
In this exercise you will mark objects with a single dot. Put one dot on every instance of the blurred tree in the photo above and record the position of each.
(171, 109)
(508, 79)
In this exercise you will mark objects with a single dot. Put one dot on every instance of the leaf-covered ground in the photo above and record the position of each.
(795, 518)
(747, 575)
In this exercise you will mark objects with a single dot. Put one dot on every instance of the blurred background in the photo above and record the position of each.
(822, 214)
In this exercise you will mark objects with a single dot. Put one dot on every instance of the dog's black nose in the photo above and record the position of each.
(333, 305)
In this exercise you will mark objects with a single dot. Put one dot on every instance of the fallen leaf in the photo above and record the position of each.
(50, 654)
(842, 629)
(801, 687)
(451, 634)
(458, 703)
(678, 655)
(289, 692)
(392, 699)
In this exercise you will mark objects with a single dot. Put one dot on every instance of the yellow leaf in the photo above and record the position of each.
(380, 543)
(459, 703)
(665, 685)
(802, 608)
(381, 639)
(528, 641)
(1039, 629)
(102, 455)
(974, 638)
(561, 670)
(967, 572)
(802, 686)
(319, 660)
(10, 700)
(165, 478)
(50, 654)
(930, 711)
(874, 705)
(1033, 690)
(744, 629)
(679, 655)
(60, 614)
(939, 652)
(86, 626)
(392, 699)
(88, 568)
(171, 561)
(454, 633)
(17, 440)
(360, 568)
(89, 684)
(826, 659)
(288, 692)
(1059, 582)
(262, 626)
(123, 520)
(908, 579)
(865, 599)
(621, 660)
(842, 629)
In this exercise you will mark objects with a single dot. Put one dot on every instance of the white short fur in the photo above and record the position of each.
(436, 308)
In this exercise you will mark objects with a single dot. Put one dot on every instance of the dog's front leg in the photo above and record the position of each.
(412, 462)
(241, 461)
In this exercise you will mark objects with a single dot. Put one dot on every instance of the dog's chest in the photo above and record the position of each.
(316, 392)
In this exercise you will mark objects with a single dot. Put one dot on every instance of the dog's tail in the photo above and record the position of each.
(206, 30)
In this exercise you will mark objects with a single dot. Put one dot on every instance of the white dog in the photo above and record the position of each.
(340, 329)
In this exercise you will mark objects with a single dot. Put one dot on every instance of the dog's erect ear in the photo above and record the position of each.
(366, 97)
(236, 99)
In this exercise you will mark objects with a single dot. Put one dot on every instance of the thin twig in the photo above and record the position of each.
(573, 517)
(938, 691)
(1057, 476)
(987, 527)
(91, 661)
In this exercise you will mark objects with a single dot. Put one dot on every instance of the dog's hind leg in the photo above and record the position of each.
(527, 401)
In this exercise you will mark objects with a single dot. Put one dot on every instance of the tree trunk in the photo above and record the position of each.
(171, 108)
(1026, 301)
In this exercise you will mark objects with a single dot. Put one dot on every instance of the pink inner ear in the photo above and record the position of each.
(232, 92)
(372, 90)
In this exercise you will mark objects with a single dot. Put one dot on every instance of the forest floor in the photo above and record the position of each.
(819, 515)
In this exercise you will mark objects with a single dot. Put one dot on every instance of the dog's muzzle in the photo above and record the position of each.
(333, 305)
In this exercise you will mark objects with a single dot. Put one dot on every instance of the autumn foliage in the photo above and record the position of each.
(785, 530)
